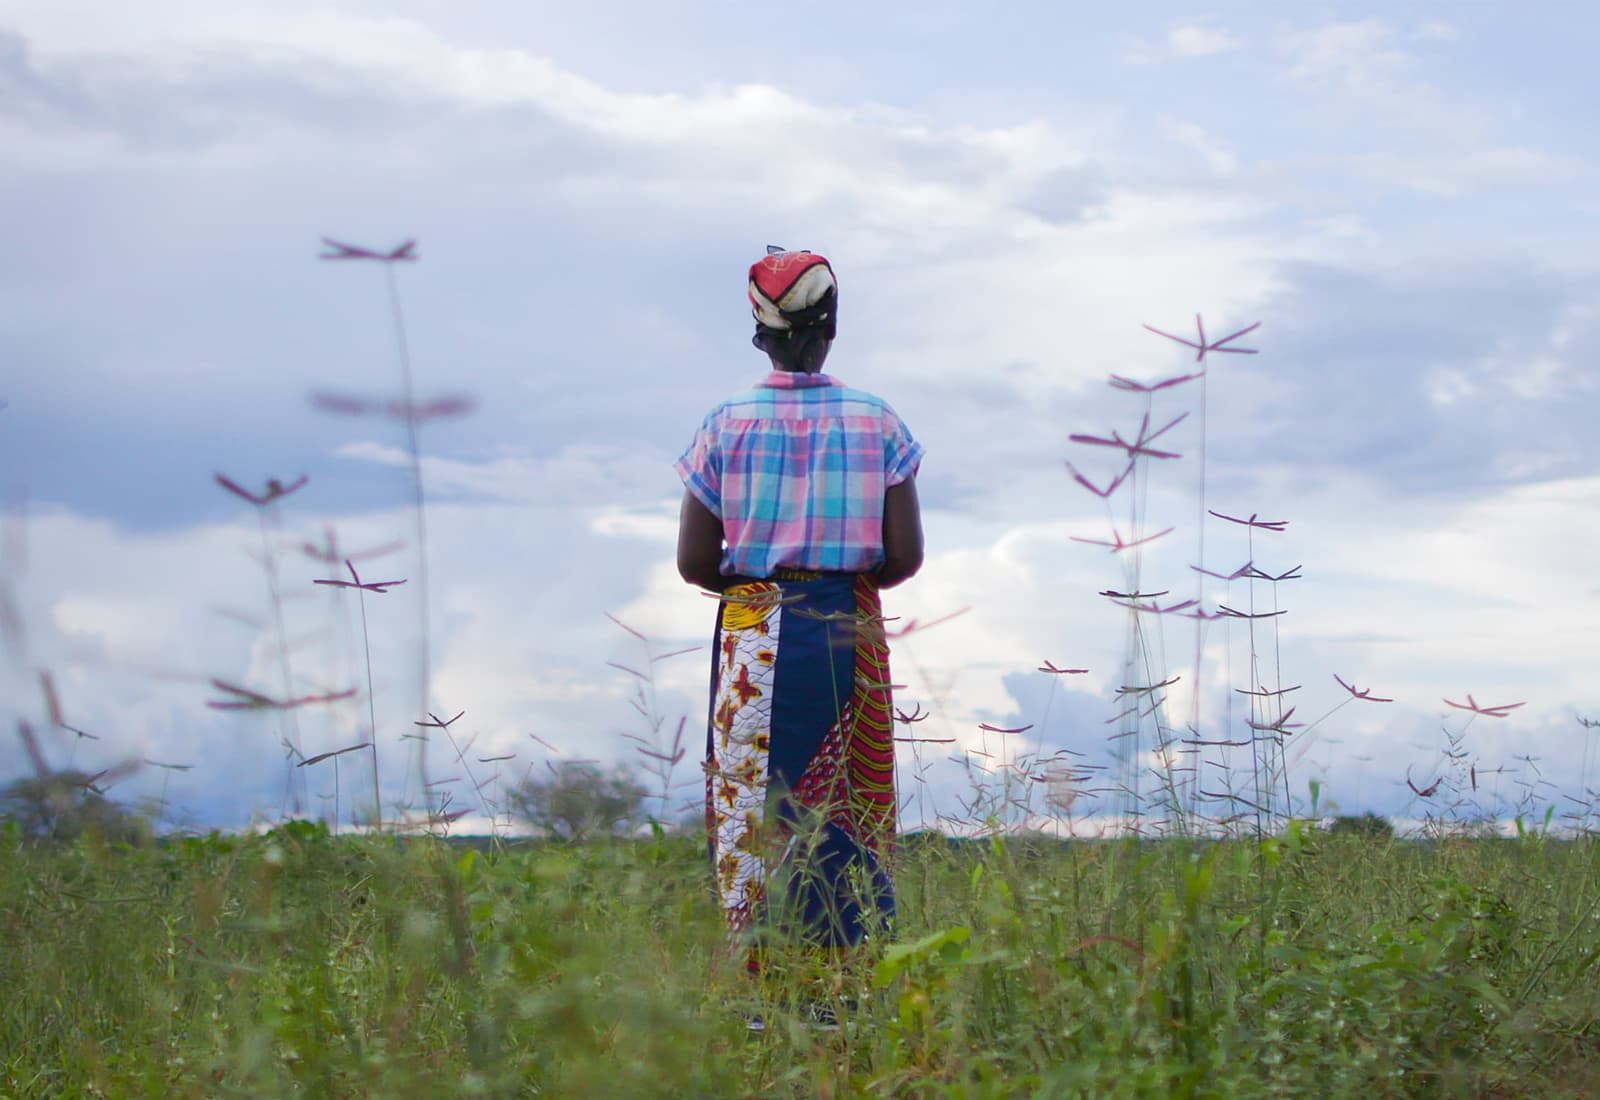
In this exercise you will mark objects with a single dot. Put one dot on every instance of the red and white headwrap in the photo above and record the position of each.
(792, 289)
(795, 301)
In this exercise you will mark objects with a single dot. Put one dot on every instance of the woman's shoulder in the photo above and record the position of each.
(864, 401)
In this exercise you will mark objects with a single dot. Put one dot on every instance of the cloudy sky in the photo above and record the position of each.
(1403, 195)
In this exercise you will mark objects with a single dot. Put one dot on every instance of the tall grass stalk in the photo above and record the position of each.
(419, 513)
(660, 755)
(362, 588)
(412, 413)
(269, 523)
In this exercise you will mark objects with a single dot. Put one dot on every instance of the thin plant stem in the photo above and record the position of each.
(1258, 714)
(1199, 585)
(1277, 669)
(372, 716)
(269, 562)
(419, 513)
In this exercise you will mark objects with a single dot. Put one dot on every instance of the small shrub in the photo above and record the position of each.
(1368, 826)
(65, 806)
(576, 801)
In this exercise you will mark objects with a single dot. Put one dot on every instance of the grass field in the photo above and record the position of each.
(297, 963)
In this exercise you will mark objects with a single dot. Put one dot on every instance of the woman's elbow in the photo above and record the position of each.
(898, 567)
(687, 571)
(699, 544)
(700, 569)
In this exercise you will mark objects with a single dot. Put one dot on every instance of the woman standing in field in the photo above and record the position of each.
(799, 505)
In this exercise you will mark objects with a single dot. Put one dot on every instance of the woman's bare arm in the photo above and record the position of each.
(700, 546)
(902, 534)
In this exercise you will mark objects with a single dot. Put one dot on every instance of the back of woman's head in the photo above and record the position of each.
(794, 298)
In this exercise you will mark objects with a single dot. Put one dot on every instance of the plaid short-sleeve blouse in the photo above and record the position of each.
(796, 469)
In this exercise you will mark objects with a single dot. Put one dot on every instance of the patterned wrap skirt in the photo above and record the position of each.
(800, 800)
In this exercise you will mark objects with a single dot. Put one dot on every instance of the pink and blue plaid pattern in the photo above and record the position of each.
(796, 469)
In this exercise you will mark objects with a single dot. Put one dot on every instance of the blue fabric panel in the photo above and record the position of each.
(835, 894)
(814, 675)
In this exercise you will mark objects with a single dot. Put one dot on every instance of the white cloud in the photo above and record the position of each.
(1360, 54)
(1450, 175)
(125, 624)
(1218, 156)
(1199, 40)
(583, 477)
(1488, 592)
(1437, 30)
(709, 142)
(1362, 62)
(1447, 386)
(1181, 39)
